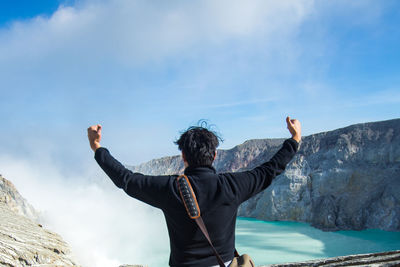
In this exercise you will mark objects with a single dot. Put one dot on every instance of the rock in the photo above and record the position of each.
(383, 259)
(23, 242)
(165, 165)
(346, 179)
(14, 201)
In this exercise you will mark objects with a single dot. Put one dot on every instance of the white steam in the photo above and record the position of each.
(103, 226)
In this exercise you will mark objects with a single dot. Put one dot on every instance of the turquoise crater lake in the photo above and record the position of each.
(279, 242)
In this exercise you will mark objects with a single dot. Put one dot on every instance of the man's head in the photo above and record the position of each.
(198, 145)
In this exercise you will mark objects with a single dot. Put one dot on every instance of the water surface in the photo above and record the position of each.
(278, 242)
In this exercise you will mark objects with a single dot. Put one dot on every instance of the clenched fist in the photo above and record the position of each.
(294, 127)
(94, 135)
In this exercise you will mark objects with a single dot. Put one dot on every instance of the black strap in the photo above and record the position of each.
(189, 198)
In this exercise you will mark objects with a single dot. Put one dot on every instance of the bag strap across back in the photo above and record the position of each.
(193, 210)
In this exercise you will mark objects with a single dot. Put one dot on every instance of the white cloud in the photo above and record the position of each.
(138, 31)
(64, 67)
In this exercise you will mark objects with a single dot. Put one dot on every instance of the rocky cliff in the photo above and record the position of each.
(346, 179)
(24, 242)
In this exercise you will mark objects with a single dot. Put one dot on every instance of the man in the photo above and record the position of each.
(218, 195)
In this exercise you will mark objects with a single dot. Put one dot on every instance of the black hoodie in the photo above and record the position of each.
(218, 194)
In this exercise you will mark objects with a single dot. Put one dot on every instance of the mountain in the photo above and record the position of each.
(345, 179)
(24, 242)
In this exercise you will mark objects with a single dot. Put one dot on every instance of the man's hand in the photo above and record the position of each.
(94, 135)
(294, 127)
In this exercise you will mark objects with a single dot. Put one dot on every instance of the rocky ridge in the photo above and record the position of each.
(345, 179)
(382, 259)
(24, 242)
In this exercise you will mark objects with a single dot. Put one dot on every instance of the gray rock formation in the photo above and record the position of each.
(165, 165)
(382, 259)
(346, 179)
(23, 242)
(14, 201)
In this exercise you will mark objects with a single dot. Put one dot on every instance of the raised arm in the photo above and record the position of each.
(149, 189)
(248, 183)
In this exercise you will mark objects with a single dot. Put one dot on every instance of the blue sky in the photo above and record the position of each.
(24, 9)
(147, 70)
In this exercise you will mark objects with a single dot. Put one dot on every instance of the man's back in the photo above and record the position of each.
(218, 210)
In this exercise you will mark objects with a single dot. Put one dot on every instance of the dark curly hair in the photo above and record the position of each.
(199, 144)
